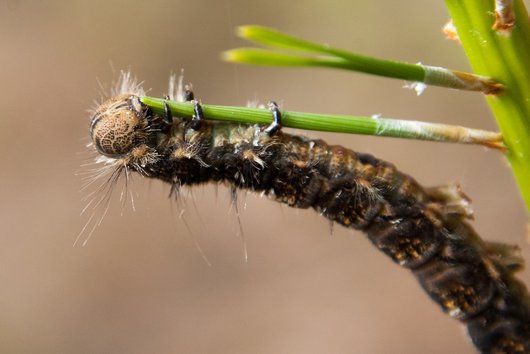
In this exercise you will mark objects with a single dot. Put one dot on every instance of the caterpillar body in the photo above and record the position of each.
(422, 229)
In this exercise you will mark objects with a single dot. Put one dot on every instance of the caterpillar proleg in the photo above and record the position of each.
(422, 229)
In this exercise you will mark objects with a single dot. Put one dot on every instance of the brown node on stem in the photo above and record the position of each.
(504, 16)
(485, 85)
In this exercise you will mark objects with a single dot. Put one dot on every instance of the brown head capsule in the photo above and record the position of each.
(119, 125)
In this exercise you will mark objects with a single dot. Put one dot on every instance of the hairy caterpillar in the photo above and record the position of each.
(422, 229)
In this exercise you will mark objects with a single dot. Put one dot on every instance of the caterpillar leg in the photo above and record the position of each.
(167, 120)
(198, 116)
(189, 96)
(276, 119)
(135, 105)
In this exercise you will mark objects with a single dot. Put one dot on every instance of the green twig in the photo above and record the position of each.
(503, 52)
(337, 123)
(306, 53)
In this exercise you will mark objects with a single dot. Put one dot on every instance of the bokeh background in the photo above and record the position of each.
(141, 285)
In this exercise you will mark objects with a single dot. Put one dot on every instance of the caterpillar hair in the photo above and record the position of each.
(425, 230)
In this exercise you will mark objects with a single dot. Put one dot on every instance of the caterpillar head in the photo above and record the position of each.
(119, 125)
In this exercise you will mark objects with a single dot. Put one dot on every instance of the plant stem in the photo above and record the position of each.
(314, 54)
(505, 56)
(337, 123)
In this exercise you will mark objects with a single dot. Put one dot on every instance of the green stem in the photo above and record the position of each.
(337, 123)
(313, 54)
(505, 56)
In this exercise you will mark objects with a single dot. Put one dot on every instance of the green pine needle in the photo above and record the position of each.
(304, 53)
(336, 123)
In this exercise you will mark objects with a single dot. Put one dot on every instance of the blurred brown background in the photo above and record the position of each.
(140, 285)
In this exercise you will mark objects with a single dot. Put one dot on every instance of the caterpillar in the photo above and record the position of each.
(422, 229)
